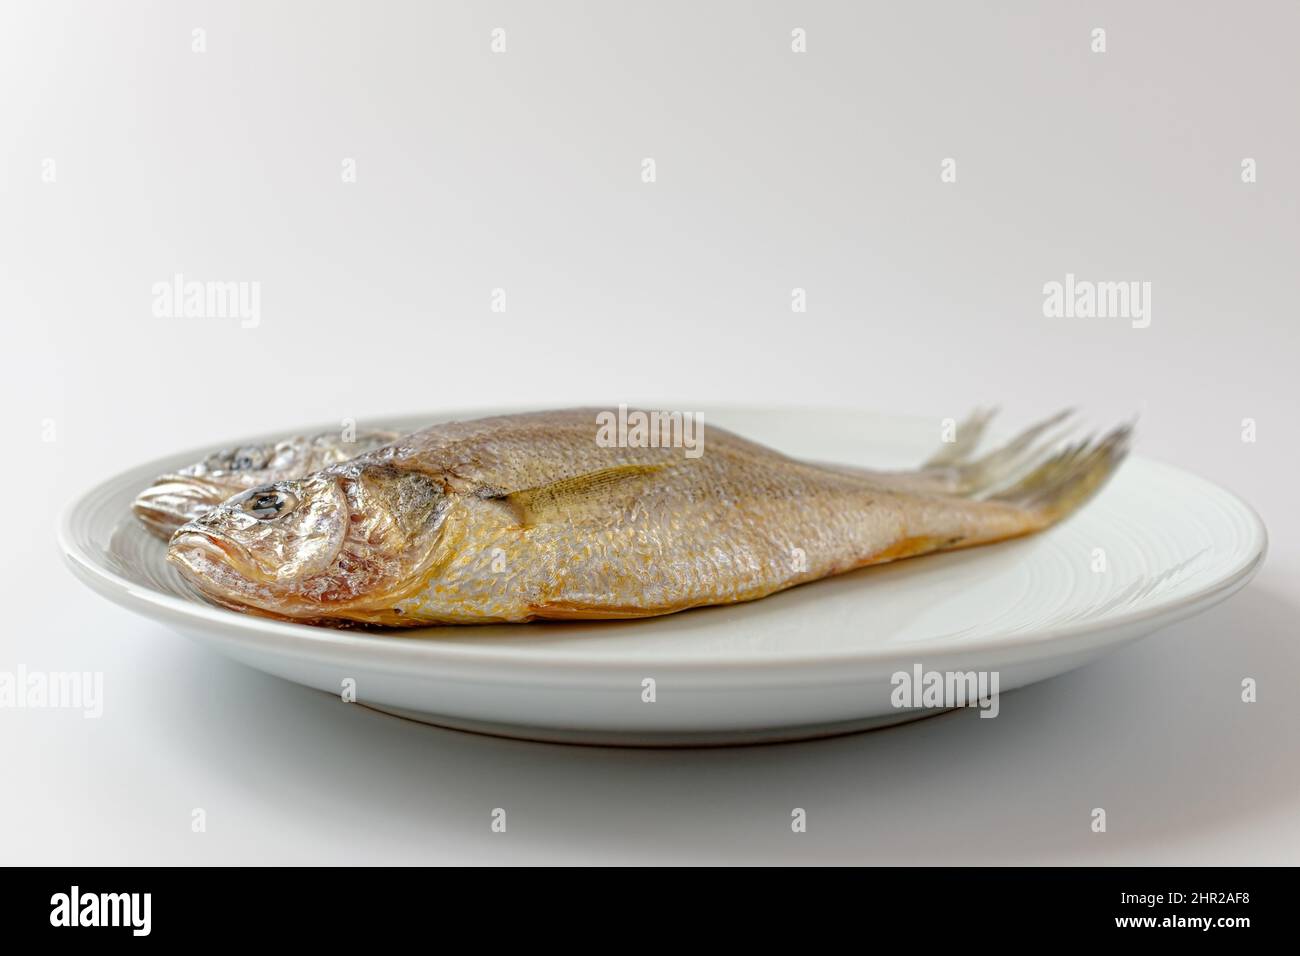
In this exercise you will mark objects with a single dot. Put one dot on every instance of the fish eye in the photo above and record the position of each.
(268, 505)
(246, 459)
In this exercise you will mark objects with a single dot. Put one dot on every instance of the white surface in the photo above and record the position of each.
(1157, 545)
(522, 172)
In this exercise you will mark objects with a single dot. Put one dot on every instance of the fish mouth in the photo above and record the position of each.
(175, 500)
(211, 556)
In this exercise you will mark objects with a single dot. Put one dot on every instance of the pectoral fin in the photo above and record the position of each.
(564, 498)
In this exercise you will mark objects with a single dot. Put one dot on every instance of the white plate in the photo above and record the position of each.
(813, 661)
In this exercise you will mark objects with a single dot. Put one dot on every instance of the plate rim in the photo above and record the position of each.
(401, 648)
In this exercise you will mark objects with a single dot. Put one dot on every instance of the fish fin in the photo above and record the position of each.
(591, 611)
(1005, 465)
(969, 432)
(1059, 485)
(559, 499)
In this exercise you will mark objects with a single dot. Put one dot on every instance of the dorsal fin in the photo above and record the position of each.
(560, 498)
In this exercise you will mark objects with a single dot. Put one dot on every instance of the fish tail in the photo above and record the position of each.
(966, 440)
(1056, 487)
(984, 476)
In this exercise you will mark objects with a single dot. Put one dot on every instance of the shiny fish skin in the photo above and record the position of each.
(525, 517)
(177, 497)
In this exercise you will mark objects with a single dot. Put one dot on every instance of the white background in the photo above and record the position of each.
(522, 171)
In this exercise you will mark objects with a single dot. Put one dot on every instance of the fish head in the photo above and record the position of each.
(175, 498)
(190, 492)
(355, 536)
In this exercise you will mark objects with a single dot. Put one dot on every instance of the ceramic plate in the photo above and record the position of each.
(1158, 544)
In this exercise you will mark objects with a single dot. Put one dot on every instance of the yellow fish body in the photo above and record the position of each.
(533, 516)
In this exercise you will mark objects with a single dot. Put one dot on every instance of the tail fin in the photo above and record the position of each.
(1031, 471)
(1067, 479)
(962, 474)
(967, 439)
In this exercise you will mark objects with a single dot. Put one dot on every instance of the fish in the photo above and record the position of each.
(533, 517)
(178, 497)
